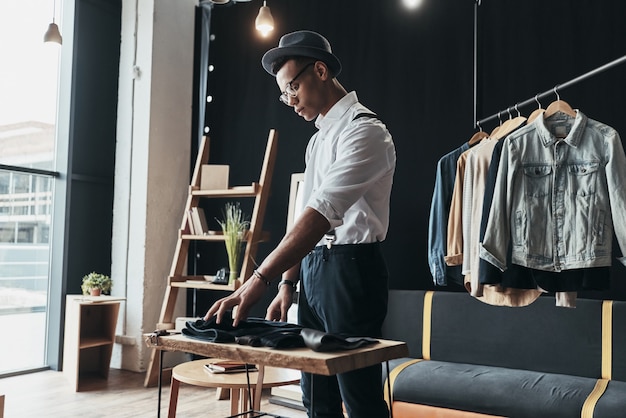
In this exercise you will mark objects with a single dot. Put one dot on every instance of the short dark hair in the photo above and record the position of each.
(299, 59)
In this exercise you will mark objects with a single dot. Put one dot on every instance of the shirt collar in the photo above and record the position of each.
(573, 137)
(336, 112)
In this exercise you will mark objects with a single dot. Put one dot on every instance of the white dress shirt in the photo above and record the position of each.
(349, 172)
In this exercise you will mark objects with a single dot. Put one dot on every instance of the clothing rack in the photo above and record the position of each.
(554, 90)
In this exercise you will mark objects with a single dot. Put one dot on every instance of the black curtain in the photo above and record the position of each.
(530, 47)
(415, 70)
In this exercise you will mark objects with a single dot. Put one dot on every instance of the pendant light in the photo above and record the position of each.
(53, 34)
(264, 21)
(412, 4)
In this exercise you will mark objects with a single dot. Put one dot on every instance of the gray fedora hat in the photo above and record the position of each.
(303, 43)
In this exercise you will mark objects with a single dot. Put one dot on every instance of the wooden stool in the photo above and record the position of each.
(194, 373)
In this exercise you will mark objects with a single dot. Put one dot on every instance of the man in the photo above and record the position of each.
(334, 245)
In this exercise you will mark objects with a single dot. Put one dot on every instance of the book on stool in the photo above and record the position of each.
(229, 367)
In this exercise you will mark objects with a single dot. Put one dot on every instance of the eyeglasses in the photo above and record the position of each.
(291, 91)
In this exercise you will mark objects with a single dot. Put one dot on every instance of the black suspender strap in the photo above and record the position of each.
(365, 115)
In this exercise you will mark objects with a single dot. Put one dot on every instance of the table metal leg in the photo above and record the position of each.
(248, 387)
(389, 390)
(160, 383)
(312, 404)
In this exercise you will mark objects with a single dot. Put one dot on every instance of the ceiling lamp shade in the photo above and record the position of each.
(264, 21)
(53, 34)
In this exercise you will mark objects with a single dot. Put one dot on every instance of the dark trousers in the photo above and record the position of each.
(344, 290)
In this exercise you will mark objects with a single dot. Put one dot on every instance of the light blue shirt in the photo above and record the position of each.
(349, 172)
(560, 194)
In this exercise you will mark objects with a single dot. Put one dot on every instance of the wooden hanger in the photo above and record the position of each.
(509, 126)
(535, 112)
(497, 128)
(559, 106)
(477, 137)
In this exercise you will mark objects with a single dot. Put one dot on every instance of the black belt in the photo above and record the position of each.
(346, 248)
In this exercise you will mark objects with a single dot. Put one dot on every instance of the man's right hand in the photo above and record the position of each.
(244, 298)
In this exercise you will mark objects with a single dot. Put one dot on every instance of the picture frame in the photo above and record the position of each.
(296, 198)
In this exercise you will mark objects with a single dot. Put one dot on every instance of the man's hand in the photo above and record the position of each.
(308, 229)
(277, 311)
(244, 298)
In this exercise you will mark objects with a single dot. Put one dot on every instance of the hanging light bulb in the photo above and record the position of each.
(264, 21)
(53, 34)
(412, 4)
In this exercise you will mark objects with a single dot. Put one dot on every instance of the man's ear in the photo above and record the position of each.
(321, 70)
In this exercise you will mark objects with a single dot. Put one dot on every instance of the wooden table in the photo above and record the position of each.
(303, 359)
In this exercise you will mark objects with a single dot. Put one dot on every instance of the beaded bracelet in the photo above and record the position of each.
(258, 275)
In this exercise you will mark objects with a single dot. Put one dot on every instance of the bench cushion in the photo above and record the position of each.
(612, 404)
(492, 390)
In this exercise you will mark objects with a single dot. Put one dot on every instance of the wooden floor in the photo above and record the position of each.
(49, 394)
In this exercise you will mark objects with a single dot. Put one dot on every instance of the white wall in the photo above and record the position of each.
(152, 163)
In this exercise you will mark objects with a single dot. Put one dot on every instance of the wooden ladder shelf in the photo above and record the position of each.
(177, 277)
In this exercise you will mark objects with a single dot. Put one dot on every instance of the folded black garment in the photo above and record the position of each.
(217, 335)
(252, 331)
(281, 338)
(324, 341)
(259, 332)
(227, 324)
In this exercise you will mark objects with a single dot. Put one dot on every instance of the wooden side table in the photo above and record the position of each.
(193, 373)
(90, 323)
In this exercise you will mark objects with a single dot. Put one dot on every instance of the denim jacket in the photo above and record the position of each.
(558, 201)
(438, 220)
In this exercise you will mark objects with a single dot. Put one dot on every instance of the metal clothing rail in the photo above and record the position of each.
(553, 90)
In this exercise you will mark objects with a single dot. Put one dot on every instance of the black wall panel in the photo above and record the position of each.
(415, 69)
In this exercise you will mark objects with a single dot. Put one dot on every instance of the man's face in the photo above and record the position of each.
(306, 102)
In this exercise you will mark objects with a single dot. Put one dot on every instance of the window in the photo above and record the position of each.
(28, 109)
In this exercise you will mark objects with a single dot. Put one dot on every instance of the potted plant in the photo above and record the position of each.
(95, 283)
(234, 227)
